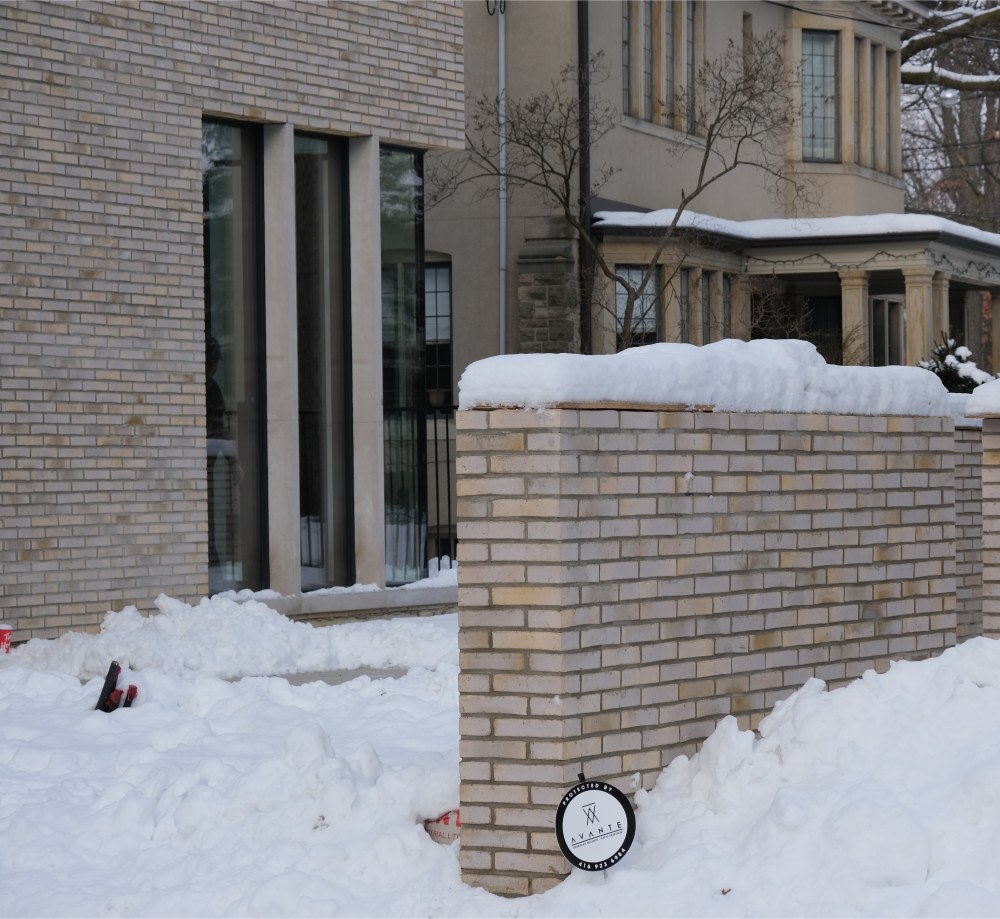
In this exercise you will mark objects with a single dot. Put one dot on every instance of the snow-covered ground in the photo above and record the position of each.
(224, 792)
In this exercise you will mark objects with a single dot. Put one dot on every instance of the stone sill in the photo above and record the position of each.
(352, 606)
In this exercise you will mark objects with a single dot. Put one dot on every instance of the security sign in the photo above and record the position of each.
(595, 825)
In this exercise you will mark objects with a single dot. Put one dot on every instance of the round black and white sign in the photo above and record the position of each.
(595, 825)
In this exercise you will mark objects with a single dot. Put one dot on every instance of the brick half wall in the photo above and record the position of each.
(629, 577)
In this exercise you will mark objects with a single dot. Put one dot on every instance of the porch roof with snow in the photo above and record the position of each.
(816, 244)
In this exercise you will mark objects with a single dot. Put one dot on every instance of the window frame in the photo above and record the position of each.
(645, 329)
(825, 94)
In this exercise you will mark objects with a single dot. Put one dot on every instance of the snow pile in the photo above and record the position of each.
(209, 798)
(227, 639)
(262, 798)
(984, 401)
(731, 375)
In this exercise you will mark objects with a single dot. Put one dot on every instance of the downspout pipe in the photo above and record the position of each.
(502, 202)
(585, 263)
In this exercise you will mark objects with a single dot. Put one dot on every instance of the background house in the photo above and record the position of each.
(870, 291)
(211, 297)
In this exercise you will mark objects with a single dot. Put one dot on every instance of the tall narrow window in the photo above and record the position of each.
(660, 41)
(437, 293)
(684, 302)
(647, 60)
(859, 140)
(403, 365)
(627, 57)
(640, 327)
(235, 418)
(727, 306)
(669, 62)
(326, 513)
(691, 65)
(875, 103)
(891, 109)
(820, 102)
(706, 307)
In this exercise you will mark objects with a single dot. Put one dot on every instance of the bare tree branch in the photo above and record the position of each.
(744, 110)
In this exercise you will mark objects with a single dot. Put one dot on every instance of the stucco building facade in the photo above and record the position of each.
(877, 292)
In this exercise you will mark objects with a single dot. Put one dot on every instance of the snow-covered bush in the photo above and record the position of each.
(953, 364)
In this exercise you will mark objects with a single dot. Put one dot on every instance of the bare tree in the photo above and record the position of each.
(743, 112)
(951, 114)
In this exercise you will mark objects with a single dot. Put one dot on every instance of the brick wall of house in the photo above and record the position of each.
(969, 531)
(102, 453)
(627, 578)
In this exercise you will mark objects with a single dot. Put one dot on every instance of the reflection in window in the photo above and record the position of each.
(660, 57)
(403, 365)
(820, 103)
(326, 515)
(642, 325)
(437, 294)
(706, 307)
(684, 303)
(231, 184)
(727, 306)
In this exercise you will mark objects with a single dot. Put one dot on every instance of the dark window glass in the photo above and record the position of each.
(437, 294)
(326, 512)
(237, 505)
(403, 365)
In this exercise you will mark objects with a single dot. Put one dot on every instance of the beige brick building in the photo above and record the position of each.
(210, 216)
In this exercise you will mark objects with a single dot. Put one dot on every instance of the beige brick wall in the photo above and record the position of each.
(969, 531)
(102, 457)
(627, 578)
(991, 526)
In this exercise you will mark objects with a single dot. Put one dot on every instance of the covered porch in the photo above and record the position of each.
(872, 290)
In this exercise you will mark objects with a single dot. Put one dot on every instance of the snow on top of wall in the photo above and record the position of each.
(731, 375)
(984, 401)
(801, 227)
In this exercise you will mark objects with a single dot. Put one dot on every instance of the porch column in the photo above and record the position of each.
(991, 334)
(918, 313)
(739, 300)
(855, 325)
(940, 310)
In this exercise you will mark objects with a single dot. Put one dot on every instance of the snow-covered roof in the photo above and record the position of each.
(802, 228)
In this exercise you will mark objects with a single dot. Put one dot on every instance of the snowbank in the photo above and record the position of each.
(227, 638)
(262, 798)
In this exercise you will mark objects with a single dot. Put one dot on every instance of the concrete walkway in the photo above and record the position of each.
(334, 677)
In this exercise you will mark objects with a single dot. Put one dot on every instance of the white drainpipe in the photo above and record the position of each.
(502, 57)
